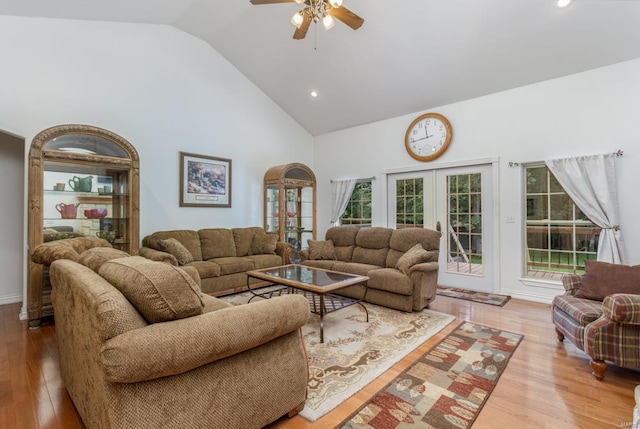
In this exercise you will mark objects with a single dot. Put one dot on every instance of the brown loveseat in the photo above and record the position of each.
(142, 347)
(221, 255)
(402, 265)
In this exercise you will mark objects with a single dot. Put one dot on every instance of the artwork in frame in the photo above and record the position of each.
(205, 181)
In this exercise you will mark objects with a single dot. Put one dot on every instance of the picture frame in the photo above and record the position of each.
(205, 181)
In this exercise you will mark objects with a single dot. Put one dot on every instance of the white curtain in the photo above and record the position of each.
(341, 191)
(590, 181)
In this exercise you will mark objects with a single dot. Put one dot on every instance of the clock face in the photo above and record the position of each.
(428, 137)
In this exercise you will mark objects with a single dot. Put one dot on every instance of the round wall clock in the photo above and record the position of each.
(428, 137)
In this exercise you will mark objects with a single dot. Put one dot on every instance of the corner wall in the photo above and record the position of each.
(582, 114)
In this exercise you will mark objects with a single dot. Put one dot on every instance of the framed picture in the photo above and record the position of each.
(205, 181)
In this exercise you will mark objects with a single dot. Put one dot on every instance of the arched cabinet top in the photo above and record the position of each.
(83, 142)
(294, 171)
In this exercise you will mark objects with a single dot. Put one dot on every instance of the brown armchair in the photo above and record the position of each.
(602, 323)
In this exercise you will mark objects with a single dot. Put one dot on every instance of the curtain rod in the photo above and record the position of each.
(617, 154)
(363, 179)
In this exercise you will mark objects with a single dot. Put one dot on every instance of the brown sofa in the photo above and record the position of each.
(142, 347)
(401, 275)
(221, 255)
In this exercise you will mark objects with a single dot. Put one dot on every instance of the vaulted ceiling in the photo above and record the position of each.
(409, 56)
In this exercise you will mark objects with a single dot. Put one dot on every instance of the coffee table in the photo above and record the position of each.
(316, 284)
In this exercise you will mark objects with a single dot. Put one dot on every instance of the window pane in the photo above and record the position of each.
(358, 211)
(536, 180)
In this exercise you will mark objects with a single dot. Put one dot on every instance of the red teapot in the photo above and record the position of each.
(67, 211)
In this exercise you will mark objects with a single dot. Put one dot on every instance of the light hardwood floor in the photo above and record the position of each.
(545, 385)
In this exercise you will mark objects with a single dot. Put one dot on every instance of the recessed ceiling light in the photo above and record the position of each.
(563, 3)
(314, 94)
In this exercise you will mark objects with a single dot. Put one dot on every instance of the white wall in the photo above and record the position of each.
(587, 113)
(12, 216)
(160, 88)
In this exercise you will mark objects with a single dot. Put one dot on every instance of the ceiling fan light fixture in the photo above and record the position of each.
(297, 19)
(563, 3)
(328, 22)
(335, 3)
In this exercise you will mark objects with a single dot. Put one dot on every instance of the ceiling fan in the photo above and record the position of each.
(318, 10)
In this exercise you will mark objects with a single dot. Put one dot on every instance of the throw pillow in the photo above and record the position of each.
(159, 291)
(173, 246)
(319, 250)
(413, 256)
(94, 258)
(602, 279)
(263, 244)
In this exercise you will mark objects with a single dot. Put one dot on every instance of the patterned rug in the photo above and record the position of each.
(446, 388)
(470, 295)
(355, 352)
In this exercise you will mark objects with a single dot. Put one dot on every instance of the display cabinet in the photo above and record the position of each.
(83, 181)
(290, 203)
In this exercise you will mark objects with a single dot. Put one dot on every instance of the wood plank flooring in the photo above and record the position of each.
(546, 384)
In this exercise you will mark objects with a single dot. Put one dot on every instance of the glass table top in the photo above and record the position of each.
(306, 275)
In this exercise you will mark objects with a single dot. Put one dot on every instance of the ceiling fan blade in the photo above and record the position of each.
(345, 15)
(271, 1)
(304, 27)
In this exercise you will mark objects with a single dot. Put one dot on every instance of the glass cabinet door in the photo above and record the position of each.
(83, 181)
(290, 203)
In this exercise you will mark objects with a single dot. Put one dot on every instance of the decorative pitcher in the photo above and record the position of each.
(81, 184)
(67, 211)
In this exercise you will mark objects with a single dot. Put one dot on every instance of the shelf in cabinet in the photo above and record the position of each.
(95, 199)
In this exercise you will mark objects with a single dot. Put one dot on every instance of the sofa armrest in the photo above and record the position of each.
(158, 255)
(283, 248)
(424, 267)
(571, 283)
(169, 348)
(622, 308)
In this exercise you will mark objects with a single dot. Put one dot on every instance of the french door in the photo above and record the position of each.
(459, 202)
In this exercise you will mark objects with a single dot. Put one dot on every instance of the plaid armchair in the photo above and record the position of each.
(607, 330)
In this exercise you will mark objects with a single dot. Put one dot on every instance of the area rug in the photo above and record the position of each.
(356, 352)
(446, 388)
(471, 295)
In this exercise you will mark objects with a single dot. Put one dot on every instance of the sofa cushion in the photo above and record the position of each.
(342, 235)
(94, 258)
(321, 250)
(233, 265)
(602, 279)
(413, 256)
(265, 261)
(187, 237)
(344, 241)
(390, 280)
(159, 291)
(217, 243)
(206, 269)
(372, 246)
(363, 255)
(403, 239)
(326, 264)
(173, 246)
(354, 268)
(243, 239)
(582, 310)
(263, 244)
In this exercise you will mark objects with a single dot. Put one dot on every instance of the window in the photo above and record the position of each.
(559, 236)
(409, 203)
(358, 211)
(465, 222)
